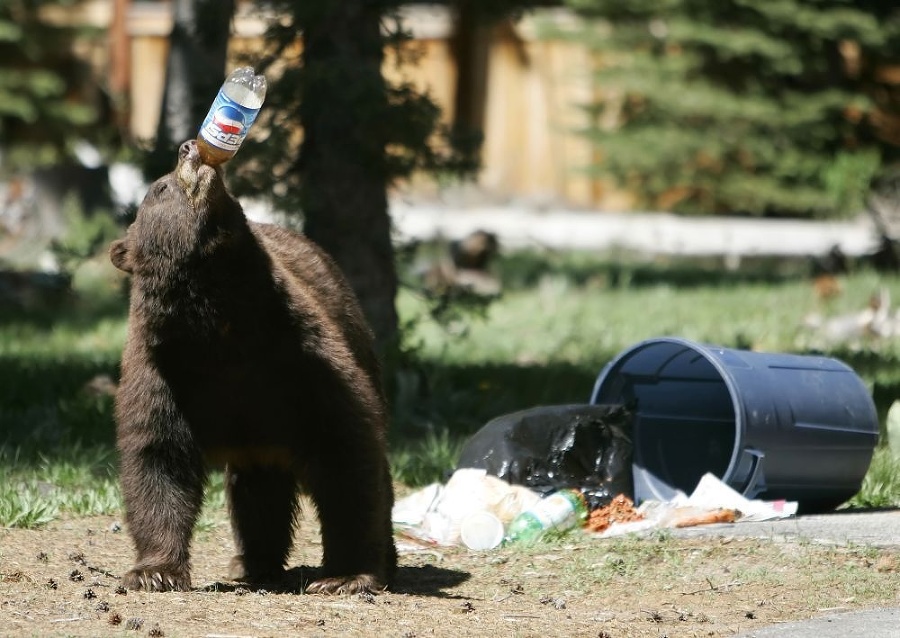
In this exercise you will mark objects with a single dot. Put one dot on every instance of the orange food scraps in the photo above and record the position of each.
(620, 510)
(706, 518)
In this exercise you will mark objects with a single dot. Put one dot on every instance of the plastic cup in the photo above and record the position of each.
(481, 530)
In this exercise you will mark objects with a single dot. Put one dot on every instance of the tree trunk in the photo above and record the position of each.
(342, 160)
(470, 46)
(120, 65)
(194, 72)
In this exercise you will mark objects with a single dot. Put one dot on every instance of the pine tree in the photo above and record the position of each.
(740, 106)
(48, 99)
(334, 134)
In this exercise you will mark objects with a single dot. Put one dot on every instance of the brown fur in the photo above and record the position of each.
(246, 346)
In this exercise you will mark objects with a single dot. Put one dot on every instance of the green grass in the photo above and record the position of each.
(426, 460)
(881, 485)
(561, 318)
(77, 481)
(550, 335)
(213, 513)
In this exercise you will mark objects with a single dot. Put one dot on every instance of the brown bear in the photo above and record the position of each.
(246, 346)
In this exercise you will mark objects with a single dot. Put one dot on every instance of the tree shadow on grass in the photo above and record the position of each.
(525, 269)
(77, 310)
(462, 398)
(48, 404)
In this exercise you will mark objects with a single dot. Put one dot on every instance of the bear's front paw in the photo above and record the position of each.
(357, 584)
(157, 579)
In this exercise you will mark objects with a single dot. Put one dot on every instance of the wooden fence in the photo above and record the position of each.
(529, 97)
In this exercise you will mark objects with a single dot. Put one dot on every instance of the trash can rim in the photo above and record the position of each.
(700, 348)
(704, 350)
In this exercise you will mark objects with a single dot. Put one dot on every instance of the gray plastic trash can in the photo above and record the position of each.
(771, 426)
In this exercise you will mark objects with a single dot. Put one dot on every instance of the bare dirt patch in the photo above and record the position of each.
(63, 581)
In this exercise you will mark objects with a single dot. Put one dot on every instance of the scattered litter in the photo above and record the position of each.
(620, 510)
(712, 493)
(474, 509)
(435, 514)
(711, 502)
(557, 513)
(481, 530)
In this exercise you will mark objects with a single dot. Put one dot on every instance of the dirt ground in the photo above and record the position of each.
(63, 581)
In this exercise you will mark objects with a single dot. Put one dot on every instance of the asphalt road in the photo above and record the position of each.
(875, 529)
(875, 623)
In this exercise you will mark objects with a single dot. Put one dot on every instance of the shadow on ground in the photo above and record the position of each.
(520, 270)
(424, 580)
(462, 398)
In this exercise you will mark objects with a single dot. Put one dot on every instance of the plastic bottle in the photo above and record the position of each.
(230, 116)
(560, 511)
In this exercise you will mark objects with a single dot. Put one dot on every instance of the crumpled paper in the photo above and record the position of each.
(710, 495)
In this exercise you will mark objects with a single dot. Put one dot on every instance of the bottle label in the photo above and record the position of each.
(555, 511)
(227, 123)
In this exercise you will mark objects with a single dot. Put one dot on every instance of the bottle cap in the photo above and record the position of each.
(481, 530)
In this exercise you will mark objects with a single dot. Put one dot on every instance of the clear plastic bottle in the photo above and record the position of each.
(560, 511)
(230, 116)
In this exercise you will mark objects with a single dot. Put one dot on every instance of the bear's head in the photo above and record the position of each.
(185, 215)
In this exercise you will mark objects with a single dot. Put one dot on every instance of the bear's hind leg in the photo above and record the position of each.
(263, 505)
(354, 496)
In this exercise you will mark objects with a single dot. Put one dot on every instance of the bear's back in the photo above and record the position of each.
(303, 268)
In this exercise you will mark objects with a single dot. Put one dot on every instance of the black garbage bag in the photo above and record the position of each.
(548, 448)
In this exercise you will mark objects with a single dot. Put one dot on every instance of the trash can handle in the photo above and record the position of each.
(756, 480)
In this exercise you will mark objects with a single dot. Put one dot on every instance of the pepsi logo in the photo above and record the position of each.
(229, 120)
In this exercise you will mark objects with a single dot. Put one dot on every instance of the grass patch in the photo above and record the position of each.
(626, 557)
(213, 513)
(427, 460)
(50, 363)
(881, 485)
(35, 488)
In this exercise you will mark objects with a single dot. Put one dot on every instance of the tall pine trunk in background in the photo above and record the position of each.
(342, 159)
(195, 70)
(334, 134)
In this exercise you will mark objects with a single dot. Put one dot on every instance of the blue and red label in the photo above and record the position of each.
(227, 123)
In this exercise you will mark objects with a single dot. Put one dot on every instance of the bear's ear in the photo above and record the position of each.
(119, 255)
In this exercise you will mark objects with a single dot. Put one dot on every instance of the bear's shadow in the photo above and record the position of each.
(423, 580)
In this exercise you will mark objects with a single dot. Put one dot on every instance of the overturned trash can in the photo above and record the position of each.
(771, 426)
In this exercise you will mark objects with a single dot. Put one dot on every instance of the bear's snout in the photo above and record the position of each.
(187, 149)
(196, 179)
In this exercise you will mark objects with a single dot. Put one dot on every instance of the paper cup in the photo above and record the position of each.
(481, 530)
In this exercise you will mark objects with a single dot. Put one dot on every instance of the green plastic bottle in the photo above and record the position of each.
(560, 511)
